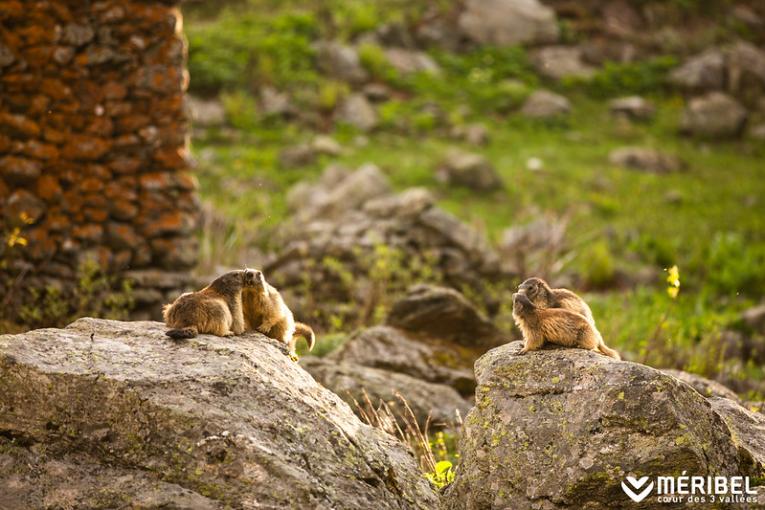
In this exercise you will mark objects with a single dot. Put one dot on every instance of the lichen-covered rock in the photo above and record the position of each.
(704, 386)
(434, 405)
(106, 414)
(561, 428)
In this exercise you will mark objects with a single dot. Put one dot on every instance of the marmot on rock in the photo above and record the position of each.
(540, 293)
(216, 309)
(266, 312)
(557, 326)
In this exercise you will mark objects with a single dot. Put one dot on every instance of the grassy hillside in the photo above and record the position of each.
(709, 219)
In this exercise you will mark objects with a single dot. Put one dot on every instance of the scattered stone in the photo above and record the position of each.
(23, 207)
(702, 72)
(535, 246)
(706, 387)
(559, 62)
(323, 144)
(508, 22)
(714, 115)
(206, 112)
(646, 159)
(745, 66)
(376, 92)
(543, 104)
(474, 134)
(408, 62)
(435, 404)
(20, 170)
(77, 35)
(754, 318)
(356, 111)
(236, 415)
(275, 103)
(470, 170)
(744, 14)
(297, 156)
(340, 61)
(633, 108)
(566, 426)
(6, 56)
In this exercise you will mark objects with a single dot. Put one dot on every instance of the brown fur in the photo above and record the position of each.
(266, 312)
(216, 309)
(543, 296)
(556, 326)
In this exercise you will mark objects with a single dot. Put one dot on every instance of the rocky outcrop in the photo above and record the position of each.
(508, 22)
(104, 414)
(350, 223)
(561, 428)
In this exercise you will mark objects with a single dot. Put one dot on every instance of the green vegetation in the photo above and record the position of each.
(709, 220)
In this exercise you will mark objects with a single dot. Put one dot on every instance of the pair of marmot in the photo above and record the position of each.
(556, 316)
(236, 302)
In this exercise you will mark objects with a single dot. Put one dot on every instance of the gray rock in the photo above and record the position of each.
(376, 92)
(358, 112)
(543, 104)
(559, 62)
(409, 61)
(296, 156)
(273, 102)
(705, 71)
(754, 318)
(474, 134)
(443, 313)
(206, 112)
(561, 428)
(714, 115)
(340, 61)
(706, 387)
(392, 349)
(632, 107)
(747, 428)
(645, 159)
(209, 423)
(470, 170)
(323, 144)
(757, 132)
(434, 404)
(508, 22)
(63, 54)
(23, 203)
(745, 66)
(533, 248)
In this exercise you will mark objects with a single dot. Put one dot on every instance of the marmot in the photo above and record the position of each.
(266, 312)
(216, 309)
(540, 293)
(556, 326)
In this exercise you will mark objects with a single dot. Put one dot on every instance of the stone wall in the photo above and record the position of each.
(93, 144)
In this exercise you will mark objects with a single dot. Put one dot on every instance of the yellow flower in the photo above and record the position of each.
(15, 238)
(26, 218)
(673, 278)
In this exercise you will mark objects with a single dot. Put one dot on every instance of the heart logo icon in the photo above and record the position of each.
(631, 489)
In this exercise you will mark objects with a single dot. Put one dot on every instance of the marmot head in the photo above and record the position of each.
(536, 289)
(254, 278)
(522, 305)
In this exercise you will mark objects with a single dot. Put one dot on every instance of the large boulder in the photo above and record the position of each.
(562, 428)
(434, 405)
(714, 115)
(706, 387)
(508, 22)
(107, 414)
